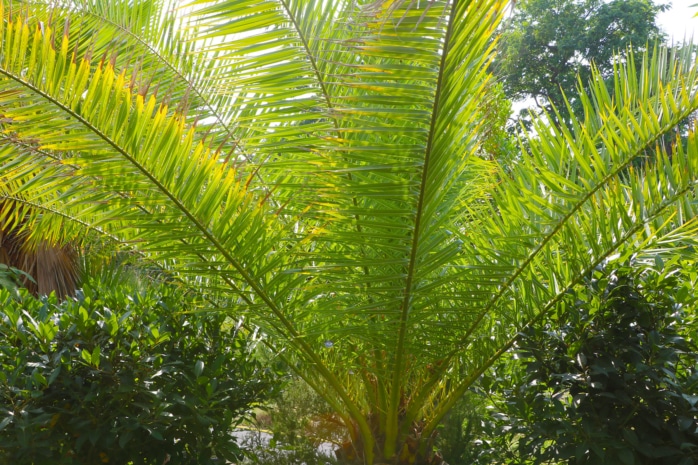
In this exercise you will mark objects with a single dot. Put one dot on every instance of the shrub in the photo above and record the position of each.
(610, 380)
(115, 376)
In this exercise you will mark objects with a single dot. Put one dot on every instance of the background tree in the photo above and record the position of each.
(314, 167)
(548, 46)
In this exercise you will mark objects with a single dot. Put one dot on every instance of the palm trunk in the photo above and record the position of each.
(53, 267)
(411, 450)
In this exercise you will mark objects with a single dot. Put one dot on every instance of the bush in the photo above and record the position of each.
(611, 379)
(116, 377)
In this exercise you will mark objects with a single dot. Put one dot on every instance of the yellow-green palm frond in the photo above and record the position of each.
(106, 138)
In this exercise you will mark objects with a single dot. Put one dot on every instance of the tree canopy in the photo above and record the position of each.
(548, 47)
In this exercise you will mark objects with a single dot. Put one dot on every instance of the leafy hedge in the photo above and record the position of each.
(116, 376)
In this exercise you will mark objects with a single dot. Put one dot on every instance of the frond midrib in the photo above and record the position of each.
(44, 208)
(311, 58)
(330, 106)
(412, 264)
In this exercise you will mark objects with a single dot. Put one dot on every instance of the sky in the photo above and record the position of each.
(679, 22)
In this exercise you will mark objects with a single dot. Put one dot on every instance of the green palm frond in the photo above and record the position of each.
(154, 41)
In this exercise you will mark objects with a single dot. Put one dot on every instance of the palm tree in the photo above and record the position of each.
(312, 167)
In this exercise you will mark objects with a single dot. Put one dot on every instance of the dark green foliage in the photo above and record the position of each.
(458, 439)
(610, 380)
(546, 44)
(114, 376)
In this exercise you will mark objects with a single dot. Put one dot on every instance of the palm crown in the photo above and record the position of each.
(312, 165)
